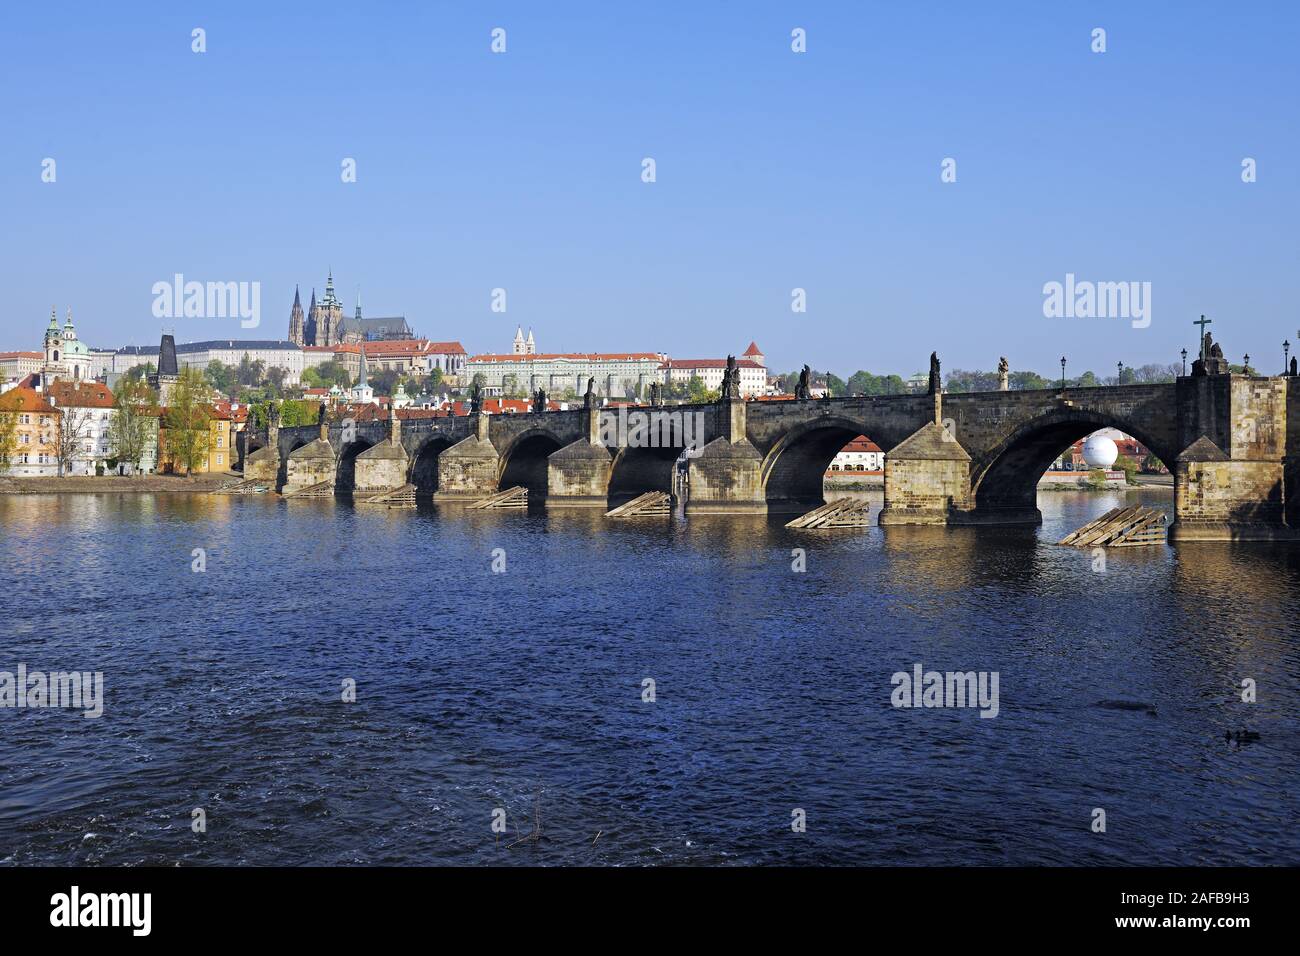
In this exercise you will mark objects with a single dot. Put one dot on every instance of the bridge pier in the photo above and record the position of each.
(1230, 482)
(311, 464)
(471, 467)
(927, 479)
(577, 476)
(384, 466)
(725, 476)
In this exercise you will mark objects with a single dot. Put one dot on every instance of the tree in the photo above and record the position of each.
(221, 376)
(70, 437)
(141, 371)
(435, 379)
(332, 373)
(303, 412)
(275, 377)
(697, 392)
(1028, 380)
(249, 372)
(383, 382)
(865, 383)
(187, 418)
(8, 435)
(133, 425)
(1129, 467)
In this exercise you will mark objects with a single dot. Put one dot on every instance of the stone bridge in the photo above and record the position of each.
(949, 459)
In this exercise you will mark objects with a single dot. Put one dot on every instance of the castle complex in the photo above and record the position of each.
(323, 325)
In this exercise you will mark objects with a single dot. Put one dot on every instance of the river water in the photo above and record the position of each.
(523, 691)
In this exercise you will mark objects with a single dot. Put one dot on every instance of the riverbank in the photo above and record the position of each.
(115, 484)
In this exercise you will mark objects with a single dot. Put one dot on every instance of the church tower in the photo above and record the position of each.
(329, 316)
(297, 324)
(530, 347)
(309, 330)
(518, 346)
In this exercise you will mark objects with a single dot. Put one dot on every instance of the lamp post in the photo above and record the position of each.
(1286, 351)
(1245, 369)
(1119, 377)
(1184, 361)
(1062, 373)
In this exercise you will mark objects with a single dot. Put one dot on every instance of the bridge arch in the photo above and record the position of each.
(524, 460)
(634, 471)
(794, 468)
(424, 464)
(1004, 481)
(288, 445)
(345, 475)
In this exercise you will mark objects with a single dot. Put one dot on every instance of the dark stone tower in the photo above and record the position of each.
(297, 323)
(309, 329)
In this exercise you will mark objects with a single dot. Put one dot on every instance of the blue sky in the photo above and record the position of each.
(775, 170)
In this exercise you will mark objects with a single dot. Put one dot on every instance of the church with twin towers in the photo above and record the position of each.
(324, 323)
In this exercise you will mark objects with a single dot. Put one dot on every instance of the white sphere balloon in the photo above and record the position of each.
(1099, 451)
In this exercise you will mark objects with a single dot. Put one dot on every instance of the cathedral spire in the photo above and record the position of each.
(361, 378)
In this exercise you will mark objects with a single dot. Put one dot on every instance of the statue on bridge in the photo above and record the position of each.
(655, 398)
(804, 388)
(320, 414)
(1004, 380)
(731, 380)
(936, 384)
(475, 398)
(1211, 361)
(539, 401)
(1293, 366)
(589, 396)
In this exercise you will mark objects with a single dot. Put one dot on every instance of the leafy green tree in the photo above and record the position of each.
(1129, 467)
(221, 376)
(9, 434)
(141, 371)
(697, 392)
(135, 422)
(250, 373)
(186, 420)
(302, 412)
(384, 381)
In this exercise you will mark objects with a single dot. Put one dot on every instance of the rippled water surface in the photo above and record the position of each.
(523, 690)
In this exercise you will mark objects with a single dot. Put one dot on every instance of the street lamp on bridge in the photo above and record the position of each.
(1062, 373)
(1184, 361)
(1286, 350)
(1119, 377)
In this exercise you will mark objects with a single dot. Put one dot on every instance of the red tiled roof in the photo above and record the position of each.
(753, 349)
(576, 356)
(861, 444)
(26, 355)
(26, 400)
(80, 394)
(707, 363)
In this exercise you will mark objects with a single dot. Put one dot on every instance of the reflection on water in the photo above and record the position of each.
(478, 690)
